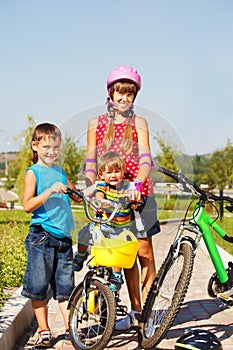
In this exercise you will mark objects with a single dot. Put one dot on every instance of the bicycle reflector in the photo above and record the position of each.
(198, 339)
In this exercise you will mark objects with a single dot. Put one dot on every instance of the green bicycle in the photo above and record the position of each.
(170, 286)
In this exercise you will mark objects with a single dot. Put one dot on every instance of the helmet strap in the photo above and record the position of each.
(129, 113)
(110, 108)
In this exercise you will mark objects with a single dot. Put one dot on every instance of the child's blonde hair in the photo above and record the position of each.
(112, 160)
(42, 131)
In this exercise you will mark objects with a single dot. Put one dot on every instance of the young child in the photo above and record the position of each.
(111, 169)
(48, 244)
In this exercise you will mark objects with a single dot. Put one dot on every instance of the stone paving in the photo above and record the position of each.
(198, 309)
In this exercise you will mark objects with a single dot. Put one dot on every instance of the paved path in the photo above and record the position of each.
(198, 310)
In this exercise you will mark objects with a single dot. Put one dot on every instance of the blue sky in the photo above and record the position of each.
(56, 55)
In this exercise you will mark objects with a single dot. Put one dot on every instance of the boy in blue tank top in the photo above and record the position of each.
(48, 243)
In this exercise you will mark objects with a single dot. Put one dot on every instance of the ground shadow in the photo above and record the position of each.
(198, 311)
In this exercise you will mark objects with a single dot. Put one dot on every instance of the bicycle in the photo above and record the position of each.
(93, 306)
(171, 284)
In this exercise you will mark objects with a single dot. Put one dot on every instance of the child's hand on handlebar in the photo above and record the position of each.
(58, 187)
(137, 204)
(134, 191)
(99, 205)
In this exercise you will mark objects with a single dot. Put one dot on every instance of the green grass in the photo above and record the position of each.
(13, 229)
(227, 225)
(14, 226)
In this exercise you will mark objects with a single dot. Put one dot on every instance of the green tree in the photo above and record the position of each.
(165, 158)
(201, 170)
(12, 175)
(23, 160)
(72, 159)
(221, 164)
(228, 158)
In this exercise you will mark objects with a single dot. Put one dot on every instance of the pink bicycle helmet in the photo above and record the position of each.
(124, 73)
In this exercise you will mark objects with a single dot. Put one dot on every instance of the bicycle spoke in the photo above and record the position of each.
(92, 328)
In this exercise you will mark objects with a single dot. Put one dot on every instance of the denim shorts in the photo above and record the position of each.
(49, 262)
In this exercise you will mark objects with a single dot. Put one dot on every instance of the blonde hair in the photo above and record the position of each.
(112, 160)
(127, 142)
(42, 131)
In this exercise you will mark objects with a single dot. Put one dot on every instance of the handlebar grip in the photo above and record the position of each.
(169, 173)
(228, 238)
(125, 202)
(70, 191)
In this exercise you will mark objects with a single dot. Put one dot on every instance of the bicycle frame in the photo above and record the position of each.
(204, 222)
(170, 286)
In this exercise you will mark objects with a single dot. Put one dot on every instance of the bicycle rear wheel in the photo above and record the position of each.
(92, 328)
(163, 303)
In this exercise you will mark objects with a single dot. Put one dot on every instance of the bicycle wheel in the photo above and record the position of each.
(162, 304)
(92, 329)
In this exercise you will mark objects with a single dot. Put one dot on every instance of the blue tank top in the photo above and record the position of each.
(55, 215)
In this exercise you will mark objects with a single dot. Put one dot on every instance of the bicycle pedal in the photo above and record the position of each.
(226, 296)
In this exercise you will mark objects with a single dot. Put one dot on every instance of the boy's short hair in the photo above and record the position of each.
(41, 131)
(44, 130)
(112, 160)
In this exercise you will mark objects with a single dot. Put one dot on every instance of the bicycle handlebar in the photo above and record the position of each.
(193, 187)
(98, 204)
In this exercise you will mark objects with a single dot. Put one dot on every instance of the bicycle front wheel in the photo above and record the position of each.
(91, 322)
(163, 303)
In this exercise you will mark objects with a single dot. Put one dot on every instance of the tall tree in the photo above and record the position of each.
(23, 160)
(166, 157)
(222, 166)
(72, 159)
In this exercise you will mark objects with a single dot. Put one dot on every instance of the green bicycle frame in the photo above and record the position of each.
(204, 221)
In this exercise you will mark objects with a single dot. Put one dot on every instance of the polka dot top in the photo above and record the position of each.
(132, 159)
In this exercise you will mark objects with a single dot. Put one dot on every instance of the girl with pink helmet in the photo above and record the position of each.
(122, 131)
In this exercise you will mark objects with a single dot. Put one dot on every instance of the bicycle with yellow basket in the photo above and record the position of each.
(93, 306)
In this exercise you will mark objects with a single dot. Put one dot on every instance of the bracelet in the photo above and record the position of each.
(144, 155)
(136, 185)
(146, 163)
(90, 160)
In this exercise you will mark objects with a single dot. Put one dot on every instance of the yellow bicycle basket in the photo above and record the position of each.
(118, 252)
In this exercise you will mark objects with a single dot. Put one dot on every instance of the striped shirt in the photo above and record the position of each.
(124, 216)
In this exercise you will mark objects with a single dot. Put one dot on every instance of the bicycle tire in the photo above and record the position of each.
(95, 331)
(164, 302)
